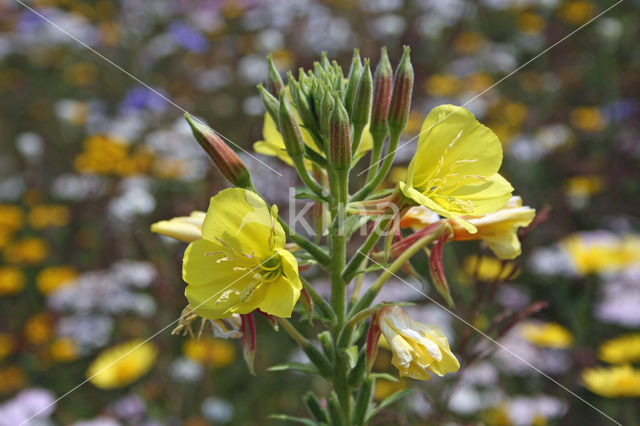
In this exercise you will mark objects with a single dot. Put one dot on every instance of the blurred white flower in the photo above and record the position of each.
(35, 402)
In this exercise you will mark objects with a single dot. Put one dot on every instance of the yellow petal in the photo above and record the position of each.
(279, 297)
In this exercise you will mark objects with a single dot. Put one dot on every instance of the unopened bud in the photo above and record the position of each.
(289, 129)
(339, 137)
(382, 85)
(227, 161)
(373, 337)
(362, 102)
(436, 269)
(274, 82)
(352, 82)
(270, 102)
(325, 111)
(401, 97)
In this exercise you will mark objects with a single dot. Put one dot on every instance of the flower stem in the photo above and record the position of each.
(386, 165)
(314, 250)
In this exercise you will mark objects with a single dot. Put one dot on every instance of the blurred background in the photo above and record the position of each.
(90, 157)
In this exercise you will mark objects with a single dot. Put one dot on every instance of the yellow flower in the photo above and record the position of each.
(531, 23)
(498, 230)
(7, 344)
(11, 379)
(384, 388)
(621, 350)
(488, 269)
(122, 364)
(273, 144)
(45, 216)
(577, 12)
(240, 263)
(63, 350)
(588, 119)
(417, 349)
(455, 169)
(213, 353)
(52, 278)
(10, 217)
(549, 335)
(39, 328)
(617, 381)
(442, 85)
(29, 250)
(183, 228)
(606, 253)
(11, 280)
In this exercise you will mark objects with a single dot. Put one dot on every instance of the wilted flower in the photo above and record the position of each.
(417, 349)
(617, 381)
(240, 263)
(454, 171)
(122, 364)
(183, 228)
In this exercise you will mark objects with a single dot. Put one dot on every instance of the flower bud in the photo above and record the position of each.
(325, 111)
(339, 137)
(183, 228)
(361, 110)
(373, 337)
(382, 85)
(270, 102)
(352, 82)
(274, 82)
(436, 269)
(248, 329)
(401, 97)
(289, 129)
(227, 161)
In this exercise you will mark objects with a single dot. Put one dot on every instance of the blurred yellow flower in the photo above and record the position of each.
(214, 353)
(54, 277)
(107, 155)
(44, 216)
(584, 186)
(384, 388)
(588, 119)
(454, 171)
(547, 335)
(591, 254)
(63, 349)
(417, 349)
(273, 144)
(81, 74)
(183, 228)
(7, 344)
(531, 23)
(611, 382)
(442, 85)
(240, 263)
(122, 364)
(577, 12)
(39, 328)
(10, 217)
(11, 379)
(30, 250)
(487, 269)
(477, 82)
(621, 350)
(11, 280)
(468, 42)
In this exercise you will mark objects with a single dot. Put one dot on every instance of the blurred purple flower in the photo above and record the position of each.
(141, 98)
(621, 109)
(188, 37)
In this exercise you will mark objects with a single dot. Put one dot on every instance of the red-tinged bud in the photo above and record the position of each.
(436, 269)
(339, 137)
(227, 161)
(272, 320)
(248, 329)
(373, 337)
(382, 85)
(401, 97)
(274, 82)
(361, 110)
(307, 304)
(289, 129)
(352, 82)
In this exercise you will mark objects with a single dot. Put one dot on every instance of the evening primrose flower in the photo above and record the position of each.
(617, 381)
(622, 349)
(455, 169)
(122, 364)
(272, 143)
(498, 230)
(417, 349)
(240, 263)
(183, 228)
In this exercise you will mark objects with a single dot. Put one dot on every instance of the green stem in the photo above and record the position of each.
(386, 166)
(295, 334)
(314, 250)
(378, 140)
(323, 306)
(357, 137)
(373, 291)
(365, 248)
(355, 293)
(309, 181)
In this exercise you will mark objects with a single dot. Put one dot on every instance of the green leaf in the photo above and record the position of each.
(384, 376)
(388, 401)
(292, 419)
(304, 193)
(295, 366)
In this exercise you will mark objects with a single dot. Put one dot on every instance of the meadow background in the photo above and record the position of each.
(90, 157)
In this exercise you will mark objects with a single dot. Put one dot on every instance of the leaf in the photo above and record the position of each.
(292, 419)
(388, 401)
(304, 193)
(295, 366)
(384, 376)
